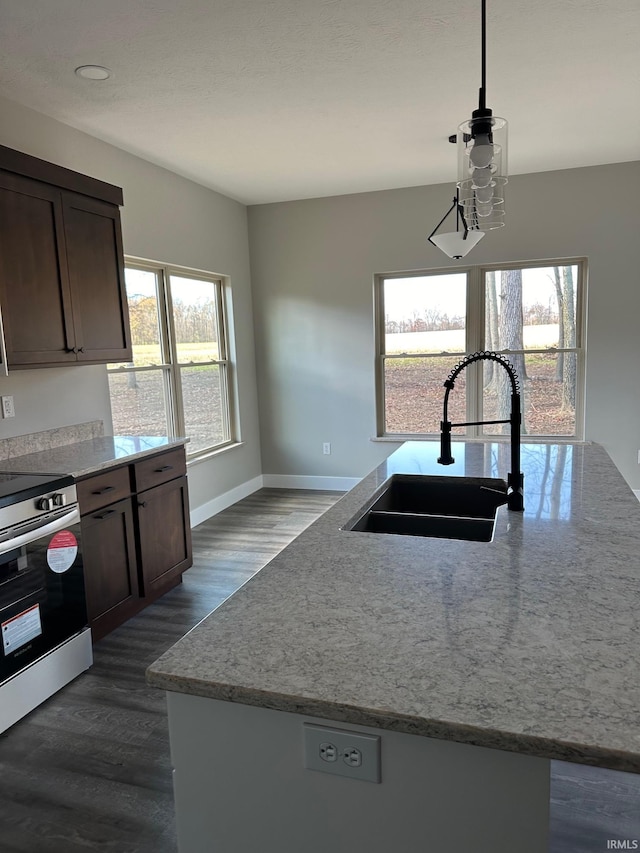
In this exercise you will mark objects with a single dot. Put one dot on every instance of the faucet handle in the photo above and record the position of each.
(445, 457)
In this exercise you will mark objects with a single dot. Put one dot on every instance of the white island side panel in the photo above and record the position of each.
(241, 787)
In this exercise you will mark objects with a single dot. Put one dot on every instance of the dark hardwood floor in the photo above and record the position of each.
(90, 769)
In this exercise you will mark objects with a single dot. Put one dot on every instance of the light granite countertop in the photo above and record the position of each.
(87, 457)
(528, 643)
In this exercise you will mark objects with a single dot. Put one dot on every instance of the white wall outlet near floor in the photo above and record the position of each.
(341, 752)
(8, 409)
(326, 448)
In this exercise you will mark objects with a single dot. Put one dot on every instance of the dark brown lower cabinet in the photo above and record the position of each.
(164, 533)
(111, 567)
(136, 548)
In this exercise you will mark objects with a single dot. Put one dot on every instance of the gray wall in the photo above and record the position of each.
(312, 271)
(165, 218)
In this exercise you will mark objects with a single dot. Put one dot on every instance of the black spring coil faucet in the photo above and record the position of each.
(515, 479)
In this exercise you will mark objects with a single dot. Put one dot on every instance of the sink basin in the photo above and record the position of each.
(441, 507)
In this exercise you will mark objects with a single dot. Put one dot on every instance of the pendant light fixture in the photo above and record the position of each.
(456, 244)
(482, 169)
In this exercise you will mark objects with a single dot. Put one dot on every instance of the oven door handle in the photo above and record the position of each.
(45, 530)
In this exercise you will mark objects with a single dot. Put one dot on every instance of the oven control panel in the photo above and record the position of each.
(37, 509)
(52, 501)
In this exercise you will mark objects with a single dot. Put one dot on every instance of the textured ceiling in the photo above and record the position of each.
(269, 100)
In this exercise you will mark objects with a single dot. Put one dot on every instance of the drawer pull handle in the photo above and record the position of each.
(104, 490)
(142, 503)
(105, 514)
(164, 468)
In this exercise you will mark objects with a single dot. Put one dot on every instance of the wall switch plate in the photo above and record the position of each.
(8, 409)
(341, 752)
(326, 448)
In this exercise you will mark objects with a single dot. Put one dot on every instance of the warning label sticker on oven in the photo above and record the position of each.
(61, 551)
(20, 629)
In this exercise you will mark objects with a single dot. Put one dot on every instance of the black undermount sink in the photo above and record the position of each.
(441, 507)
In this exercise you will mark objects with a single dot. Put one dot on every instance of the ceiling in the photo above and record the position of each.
(272, 100)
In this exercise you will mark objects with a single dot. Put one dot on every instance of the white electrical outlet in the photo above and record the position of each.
(343, 753)
(326, 448)
(8, 409)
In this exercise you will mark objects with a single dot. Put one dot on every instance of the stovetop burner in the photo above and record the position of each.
(18, 487)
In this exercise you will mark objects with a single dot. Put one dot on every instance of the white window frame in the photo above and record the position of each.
(474, 342)
(170, 366)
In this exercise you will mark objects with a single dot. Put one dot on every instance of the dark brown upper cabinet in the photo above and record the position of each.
(62, 292)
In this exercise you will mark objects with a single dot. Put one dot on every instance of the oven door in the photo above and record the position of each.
(42, 600)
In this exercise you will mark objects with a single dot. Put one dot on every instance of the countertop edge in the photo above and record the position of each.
(37, 462)
(126, 460)
(521, 743)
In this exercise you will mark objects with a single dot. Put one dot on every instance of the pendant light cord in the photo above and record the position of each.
(483, 85)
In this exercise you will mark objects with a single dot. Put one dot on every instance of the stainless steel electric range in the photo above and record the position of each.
(46, 641)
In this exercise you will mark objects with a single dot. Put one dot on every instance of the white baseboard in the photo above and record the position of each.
(297, 481)
(213, 507)
(271, 481)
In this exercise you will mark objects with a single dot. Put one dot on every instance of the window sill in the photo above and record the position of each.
(206, 455)
(483, 439)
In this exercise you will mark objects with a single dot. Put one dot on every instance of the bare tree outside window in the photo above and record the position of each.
(530, 314)
(531, 318)
(566, 366)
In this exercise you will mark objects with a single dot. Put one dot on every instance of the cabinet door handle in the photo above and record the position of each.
(80, 349)
(104, 490)
(164, 468)
(105, 514)
(142, 503)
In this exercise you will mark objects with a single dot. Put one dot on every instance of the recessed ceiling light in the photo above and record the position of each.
(93, 72)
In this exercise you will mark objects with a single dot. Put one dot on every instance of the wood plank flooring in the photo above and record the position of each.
(90, 769)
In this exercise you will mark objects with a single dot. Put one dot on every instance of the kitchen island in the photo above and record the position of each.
(474, 662)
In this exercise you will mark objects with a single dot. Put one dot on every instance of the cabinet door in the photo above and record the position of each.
(110, 567)
(165, 533)
(34, 282)
(96, 273)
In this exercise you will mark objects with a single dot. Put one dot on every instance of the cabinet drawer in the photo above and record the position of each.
(158, 469)
(103, 489)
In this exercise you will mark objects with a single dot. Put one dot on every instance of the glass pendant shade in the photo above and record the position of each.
(454, 244)
(482, 173)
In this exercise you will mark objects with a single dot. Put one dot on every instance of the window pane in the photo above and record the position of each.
(414, 394)
(425, 313)
(194, 319)
(548, 389)
(203, 412)
(531, 308)
(142, 296)
(138, 402)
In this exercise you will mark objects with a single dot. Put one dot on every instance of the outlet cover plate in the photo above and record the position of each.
(8, 409)
(316, 737)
